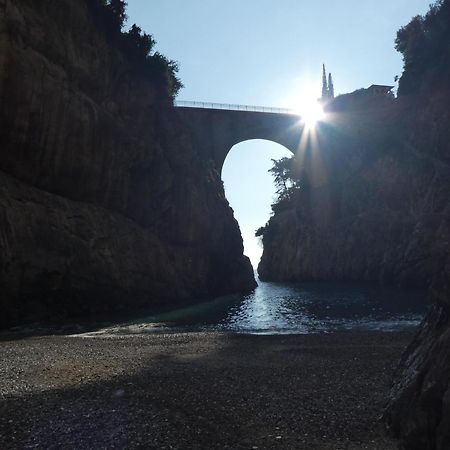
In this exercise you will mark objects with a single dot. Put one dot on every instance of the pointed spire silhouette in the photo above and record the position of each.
(330, 86)
(324, 84)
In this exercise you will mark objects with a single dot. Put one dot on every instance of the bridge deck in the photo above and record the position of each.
(231, 107)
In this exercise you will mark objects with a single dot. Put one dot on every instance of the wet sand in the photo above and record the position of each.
(197, 391)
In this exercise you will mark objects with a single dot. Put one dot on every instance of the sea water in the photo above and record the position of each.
(295, 308)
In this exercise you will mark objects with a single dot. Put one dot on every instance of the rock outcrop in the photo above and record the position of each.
(105, 202)
(373, 200)
(375, 206)
(419, 410)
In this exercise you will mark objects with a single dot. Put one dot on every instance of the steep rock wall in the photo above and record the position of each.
(374, 201)
(105, 202)
(380, 211)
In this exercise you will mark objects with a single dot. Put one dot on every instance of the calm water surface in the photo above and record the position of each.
(281, 308)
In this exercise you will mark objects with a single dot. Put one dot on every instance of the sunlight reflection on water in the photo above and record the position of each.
(282, 308)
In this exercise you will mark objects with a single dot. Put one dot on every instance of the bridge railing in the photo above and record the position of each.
(231, 107)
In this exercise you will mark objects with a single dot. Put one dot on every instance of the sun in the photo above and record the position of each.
(303, 101)
(310, 111)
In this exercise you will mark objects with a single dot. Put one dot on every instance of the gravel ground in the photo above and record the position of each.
(197, 391)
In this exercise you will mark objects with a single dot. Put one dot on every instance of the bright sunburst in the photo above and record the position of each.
(311, 112)
(304, 101)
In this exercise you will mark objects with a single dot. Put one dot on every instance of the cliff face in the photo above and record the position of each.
(376, 207)
(374, 200)
(419, 408)
(105, 203)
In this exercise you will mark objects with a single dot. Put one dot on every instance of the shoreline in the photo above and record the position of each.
(198, 391)
(144, 328)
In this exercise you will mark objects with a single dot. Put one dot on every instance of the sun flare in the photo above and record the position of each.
(311, 112)
(303, 100)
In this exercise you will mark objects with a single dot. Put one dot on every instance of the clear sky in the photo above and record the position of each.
(270, 52)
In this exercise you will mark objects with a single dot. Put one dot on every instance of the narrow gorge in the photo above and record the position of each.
(111, 201)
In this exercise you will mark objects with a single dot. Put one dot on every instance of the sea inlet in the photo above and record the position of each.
(292, 308)
(290, 366)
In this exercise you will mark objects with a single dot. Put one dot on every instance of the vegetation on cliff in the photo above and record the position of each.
(287, 181)
(425, 45)
(136, 45)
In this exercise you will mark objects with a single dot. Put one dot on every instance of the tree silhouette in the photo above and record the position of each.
(140, 44)
(118, 8)
(327, 85)
(324, 83)
(424, 43)
(330, 87)
(137, 46)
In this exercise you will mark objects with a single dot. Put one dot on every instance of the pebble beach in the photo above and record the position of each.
(197, 391)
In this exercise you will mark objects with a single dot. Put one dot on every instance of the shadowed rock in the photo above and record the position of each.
(106, 203)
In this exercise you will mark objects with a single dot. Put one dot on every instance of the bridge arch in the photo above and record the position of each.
(216, 132)
(278, 150)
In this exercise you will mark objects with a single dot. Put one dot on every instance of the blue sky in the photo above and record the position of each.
(270, 52)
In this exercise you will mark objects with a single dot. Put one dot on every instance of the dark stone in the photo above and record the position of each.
(381, 212)
(105, 202)
(375, 202)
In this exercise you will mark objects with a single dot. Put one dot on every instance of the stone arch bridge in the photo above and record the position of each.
(217, 128)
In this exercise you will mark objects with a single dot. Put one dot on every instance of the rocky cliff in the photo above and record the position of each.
(373, 204)
(105, 202)
(373, 195)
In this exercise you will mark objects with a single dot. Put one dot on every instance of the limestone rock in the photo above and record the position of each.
(376, 210)
(105, 201)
